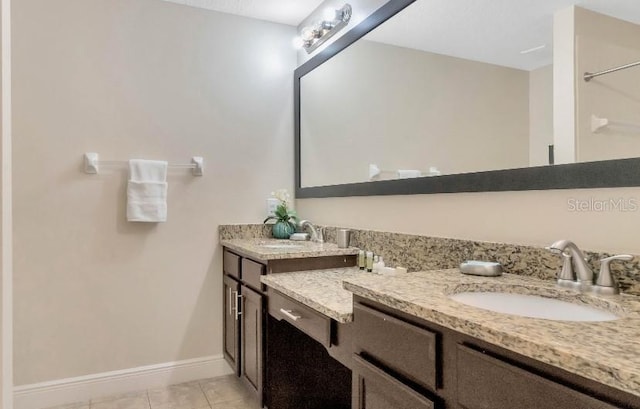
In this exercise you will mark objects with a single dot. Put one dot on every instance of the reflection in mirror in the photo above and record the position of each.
(449, 87)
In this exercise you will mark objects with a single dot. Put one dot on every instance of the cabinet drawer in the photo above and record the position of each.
(485, 382)
(251, 272)
(375, 389)
(231, 264)
(409, 350)
(307, 320)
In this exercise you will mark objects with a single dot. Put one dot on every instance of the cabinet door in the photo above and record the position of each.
(485, 382)
(373, 388)
(231, 340)
(251, 359)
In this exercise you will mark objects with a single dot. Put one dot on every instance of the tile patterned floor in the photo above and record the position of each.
(224, 392)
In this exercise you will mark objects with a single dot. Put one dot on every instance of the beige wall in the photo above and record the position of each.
(6, 300)
(2, 233)
(407, 109)
(603, 42)
(540, 115)
(534, 217)
(564, 84)
(128, 79)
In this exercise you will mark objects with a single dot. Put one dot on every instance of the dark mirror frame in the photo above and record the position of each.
(601, 174)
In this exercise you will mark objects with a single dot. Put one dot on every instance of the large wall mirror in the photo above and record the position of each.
(432, 96)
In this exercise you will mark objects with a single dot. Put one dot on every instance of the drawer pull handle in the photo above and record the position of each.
(237, 298)
(290, 314)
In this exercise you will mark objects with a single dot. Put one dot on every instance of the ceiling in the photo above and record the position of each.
(290, 12)
(492, 31)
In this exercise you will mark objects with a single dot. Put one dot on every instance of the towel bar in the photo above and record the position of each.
(598, 124)
(92, 164)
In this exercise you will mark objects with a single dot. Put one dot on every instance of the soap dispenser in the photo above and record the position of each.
(369, 261)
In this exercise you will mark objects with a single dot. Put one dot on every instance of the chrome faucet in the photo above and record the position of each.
(571, 253)
(316, 234)
(575, 264)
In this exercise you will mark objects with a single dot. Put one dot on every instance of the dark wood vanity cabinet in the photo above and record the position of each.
(373, 388)
(243, 319)
(307, 320)
(402, 362)
(251, 371)
(487, 382)
(309, 357)
(245, 310)
(406, 349)
(231, 323)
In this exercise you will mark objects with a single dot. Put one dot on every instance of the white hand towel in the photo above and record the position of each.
(147, 191)
(409, 173)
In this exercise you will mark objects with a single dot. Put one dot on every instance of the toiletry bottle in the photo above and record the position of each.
(361, 263)
(375, 264)
(380, 263)
(370, 261)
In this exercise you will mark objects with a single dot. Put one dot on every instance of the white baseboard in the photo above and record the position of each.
(83, 388)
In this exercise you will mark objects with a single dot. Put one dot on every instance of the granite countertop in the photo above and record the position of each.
(319, 289)
(607, 352)
(273, 249)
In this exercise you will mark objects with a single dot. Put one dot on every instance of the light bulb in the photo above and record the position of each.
(307, 34)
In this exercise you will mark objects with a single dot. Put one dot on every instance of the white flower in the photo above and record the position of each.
(282, 195)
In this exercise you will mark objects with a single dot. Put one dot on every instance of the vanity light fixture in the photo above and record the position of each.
(312, 37)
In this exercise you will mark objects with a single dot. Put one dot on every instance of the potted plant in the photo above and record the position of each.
(285, 217)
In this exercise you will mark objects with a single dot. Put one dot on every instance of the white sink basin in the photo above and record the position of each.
(281, 246)
(532, 306)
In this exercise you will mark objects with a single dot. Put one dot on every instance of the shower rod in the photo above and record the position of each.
(588, 76)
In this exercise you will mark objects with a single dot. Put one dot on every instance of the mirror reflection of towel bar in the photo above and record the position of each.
(598, 124)
(92, 164)
(375, 171)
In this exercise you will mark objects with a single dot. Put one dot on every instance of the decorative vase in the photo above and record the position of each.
(282, 230)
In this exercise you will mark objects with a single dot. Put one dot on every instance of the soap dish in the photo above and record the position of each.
(299, 236)
(481, 268)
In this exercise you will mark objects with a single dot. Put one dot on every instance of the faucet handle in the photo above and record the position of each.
(567, 276)
(605, 279)
(567, 272)
(625, 257)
